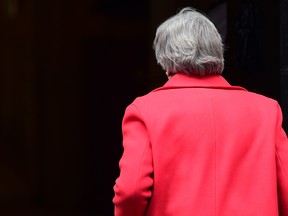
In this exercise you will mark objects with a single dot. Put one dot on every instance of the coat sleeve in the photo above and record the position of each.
(282, 166)
(133, 187)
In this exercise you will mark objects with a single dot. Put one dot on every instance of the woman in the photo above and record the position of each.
(198, 145)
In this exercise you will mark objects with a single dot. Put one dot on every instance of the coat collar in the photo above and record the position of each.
(184, 81)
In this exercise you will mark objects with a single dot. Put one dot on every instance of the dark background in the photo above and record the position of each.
(68, 69)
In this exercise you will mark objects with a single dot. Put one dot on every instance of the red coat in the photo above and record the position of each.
(199, 146)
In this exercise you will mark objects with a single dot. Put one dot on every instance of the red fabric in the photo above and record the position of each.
(199, 146)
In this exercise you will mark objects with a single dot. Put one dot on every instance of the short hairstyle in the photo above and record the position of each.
(189, 43)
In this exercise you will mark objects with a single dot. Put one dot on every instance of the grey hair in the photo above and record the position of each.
(189, 43)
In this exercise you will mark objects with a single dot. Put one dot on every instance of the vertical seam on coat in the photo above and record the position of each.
(139, 171)
(215, 156)
(281, 165)
(141, 163)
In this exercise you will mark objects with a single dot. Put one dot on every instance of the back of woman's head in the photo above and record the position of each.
(189, 43)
